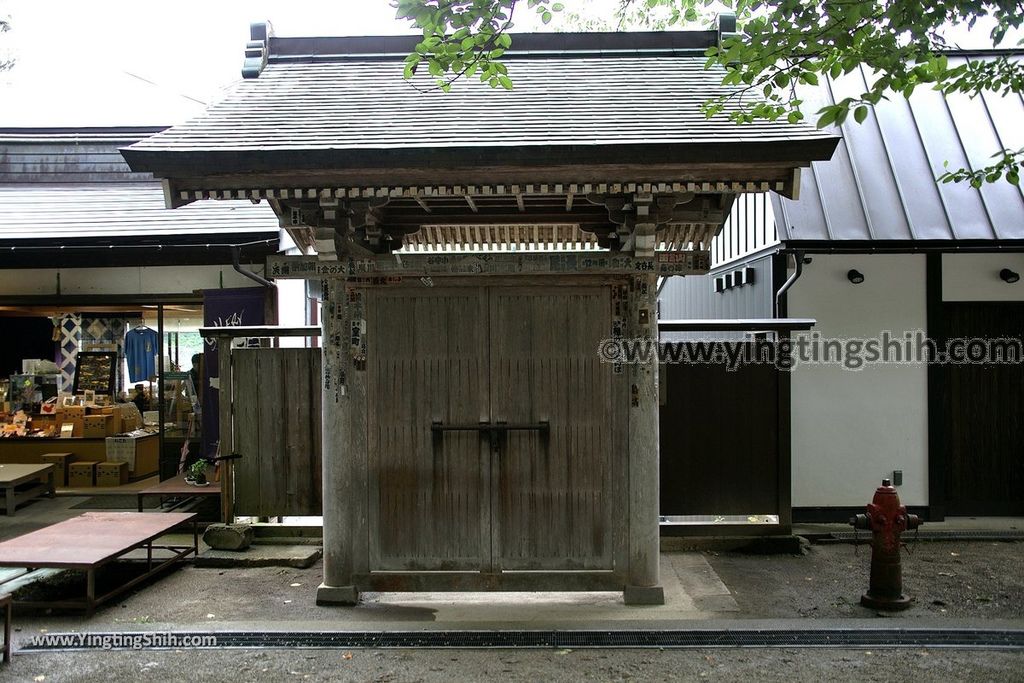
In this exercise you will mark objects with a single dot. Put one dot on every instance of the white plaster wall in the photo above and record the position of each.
(975, 277)
(291, 309)
(852, 428)
(121, 281)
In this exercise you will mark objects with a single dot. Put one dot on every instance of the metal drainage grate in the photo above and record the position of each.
(964, 535)
(684, 639)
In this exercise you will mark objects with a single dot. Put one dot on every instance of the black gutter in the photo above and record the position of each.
(100, 254)
(789, 282)
(737, 325)
(193, 163)
(900, 246)
(255, 277)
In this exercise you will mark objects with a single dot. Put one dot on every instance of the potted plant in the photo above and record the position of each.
(197, 473)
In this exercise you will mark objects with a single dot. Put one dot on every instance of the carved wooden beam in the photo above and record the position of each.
(638, 216)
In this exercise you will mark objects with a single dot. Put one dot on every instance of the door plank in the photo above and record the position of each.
(552, 508)
(426, 354)
(247, 427)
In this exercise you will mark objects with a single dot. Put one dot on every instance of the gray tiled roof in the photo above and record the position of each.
(367, 104)
(72, 184)
(117, 212)
(339, 107)
(880, 184)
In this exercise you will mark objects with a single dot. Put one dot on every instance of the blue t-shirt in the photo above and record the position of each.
(140, 347)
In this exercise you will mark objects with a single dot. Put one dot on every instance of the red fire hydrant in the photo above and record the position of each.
(887, 520)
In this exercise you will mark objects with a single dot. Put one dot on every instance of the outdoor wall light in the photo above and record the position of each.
(1009, 276)
(855, 276)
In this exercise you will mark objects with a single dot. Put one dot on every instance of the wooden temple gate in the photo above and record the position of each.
(477, 439)
(473, 249)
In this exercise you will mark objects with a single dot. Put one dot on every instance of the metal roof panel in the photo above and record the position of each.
(881, 183)
(55, 213)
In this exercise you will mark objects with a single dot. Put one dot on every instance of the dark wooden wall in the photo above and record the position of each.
(719, 440)
(983, 416)
(277, 431)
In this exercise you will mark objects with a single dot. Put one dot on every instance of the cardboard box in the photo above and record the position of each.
(44, 422)
(129, 423)
(61, 461)
(121, 449)
(71, 412)
(114, 423)
(77, 424)
(95, 426)
(81, 474)
(111, 473)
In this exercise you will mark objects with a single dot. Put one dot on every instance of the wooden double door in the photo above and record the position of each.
(493, 445)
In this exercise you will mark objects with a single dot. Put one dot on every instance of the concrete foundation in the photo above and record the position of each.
(336, 595)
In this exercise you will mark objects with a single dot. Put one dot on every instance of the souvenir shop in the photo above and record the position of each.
(112, 381)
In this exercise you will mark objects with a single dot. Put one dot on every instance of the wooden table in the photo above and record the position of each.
(13, 476)
(176, 487)
(5, 604)
(92, 540)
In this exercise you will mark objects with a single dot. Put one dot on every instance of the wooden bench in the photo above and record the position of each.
(91, 540)
(6, 603)
(175, 487)
(11, 580)
(20, 483)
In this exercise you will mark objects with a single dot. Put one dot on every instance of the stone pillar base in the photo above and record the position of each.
(336, 595)
(644, 595)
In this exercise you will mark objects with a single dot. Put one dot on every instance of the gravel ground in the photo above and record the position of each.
(521, 665)
(952, 582)
(947, 579)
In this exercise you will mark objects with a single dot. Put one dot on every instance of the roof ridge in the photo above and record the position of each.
(265, 47)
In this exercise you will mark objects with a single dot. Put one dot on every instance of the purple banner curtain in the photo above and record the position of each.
(223, 308)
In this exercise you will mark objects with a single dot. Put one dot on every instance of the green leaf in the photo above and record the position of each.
(860, 113)
(828, 116)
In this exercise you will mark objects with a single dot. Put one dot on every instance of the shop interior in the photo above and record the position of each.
(103, 384)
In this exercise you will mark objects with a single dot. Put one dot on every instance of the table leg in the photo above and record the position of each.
(8, 608)
(90, 592)
(51, 483)
(195, 539)
(149, 556)
(9, 492)
(140, 502)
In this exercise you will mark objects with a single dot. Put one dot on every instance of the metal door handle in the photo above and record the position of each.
(495, 431)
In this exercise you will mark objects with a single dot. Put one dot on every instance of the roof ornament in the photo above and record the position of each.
(257, 49)
(726, 26)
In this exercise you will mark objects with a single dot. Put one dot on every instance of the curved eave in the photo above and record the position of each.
(197, 162)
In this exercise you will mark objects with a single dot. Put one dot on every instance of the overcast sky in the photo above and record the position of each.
(114, 62)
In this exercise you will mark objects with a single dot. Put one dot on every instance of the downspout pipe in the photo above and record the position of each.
(799, 256)
(236, 254)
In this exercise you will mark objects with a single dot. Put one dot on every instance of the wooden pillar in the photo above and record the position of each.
(344, 446)
(643, 587)
(227, 434)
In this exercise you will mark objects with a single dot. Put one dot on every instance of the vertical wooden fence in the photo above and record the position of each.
(276, 423)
